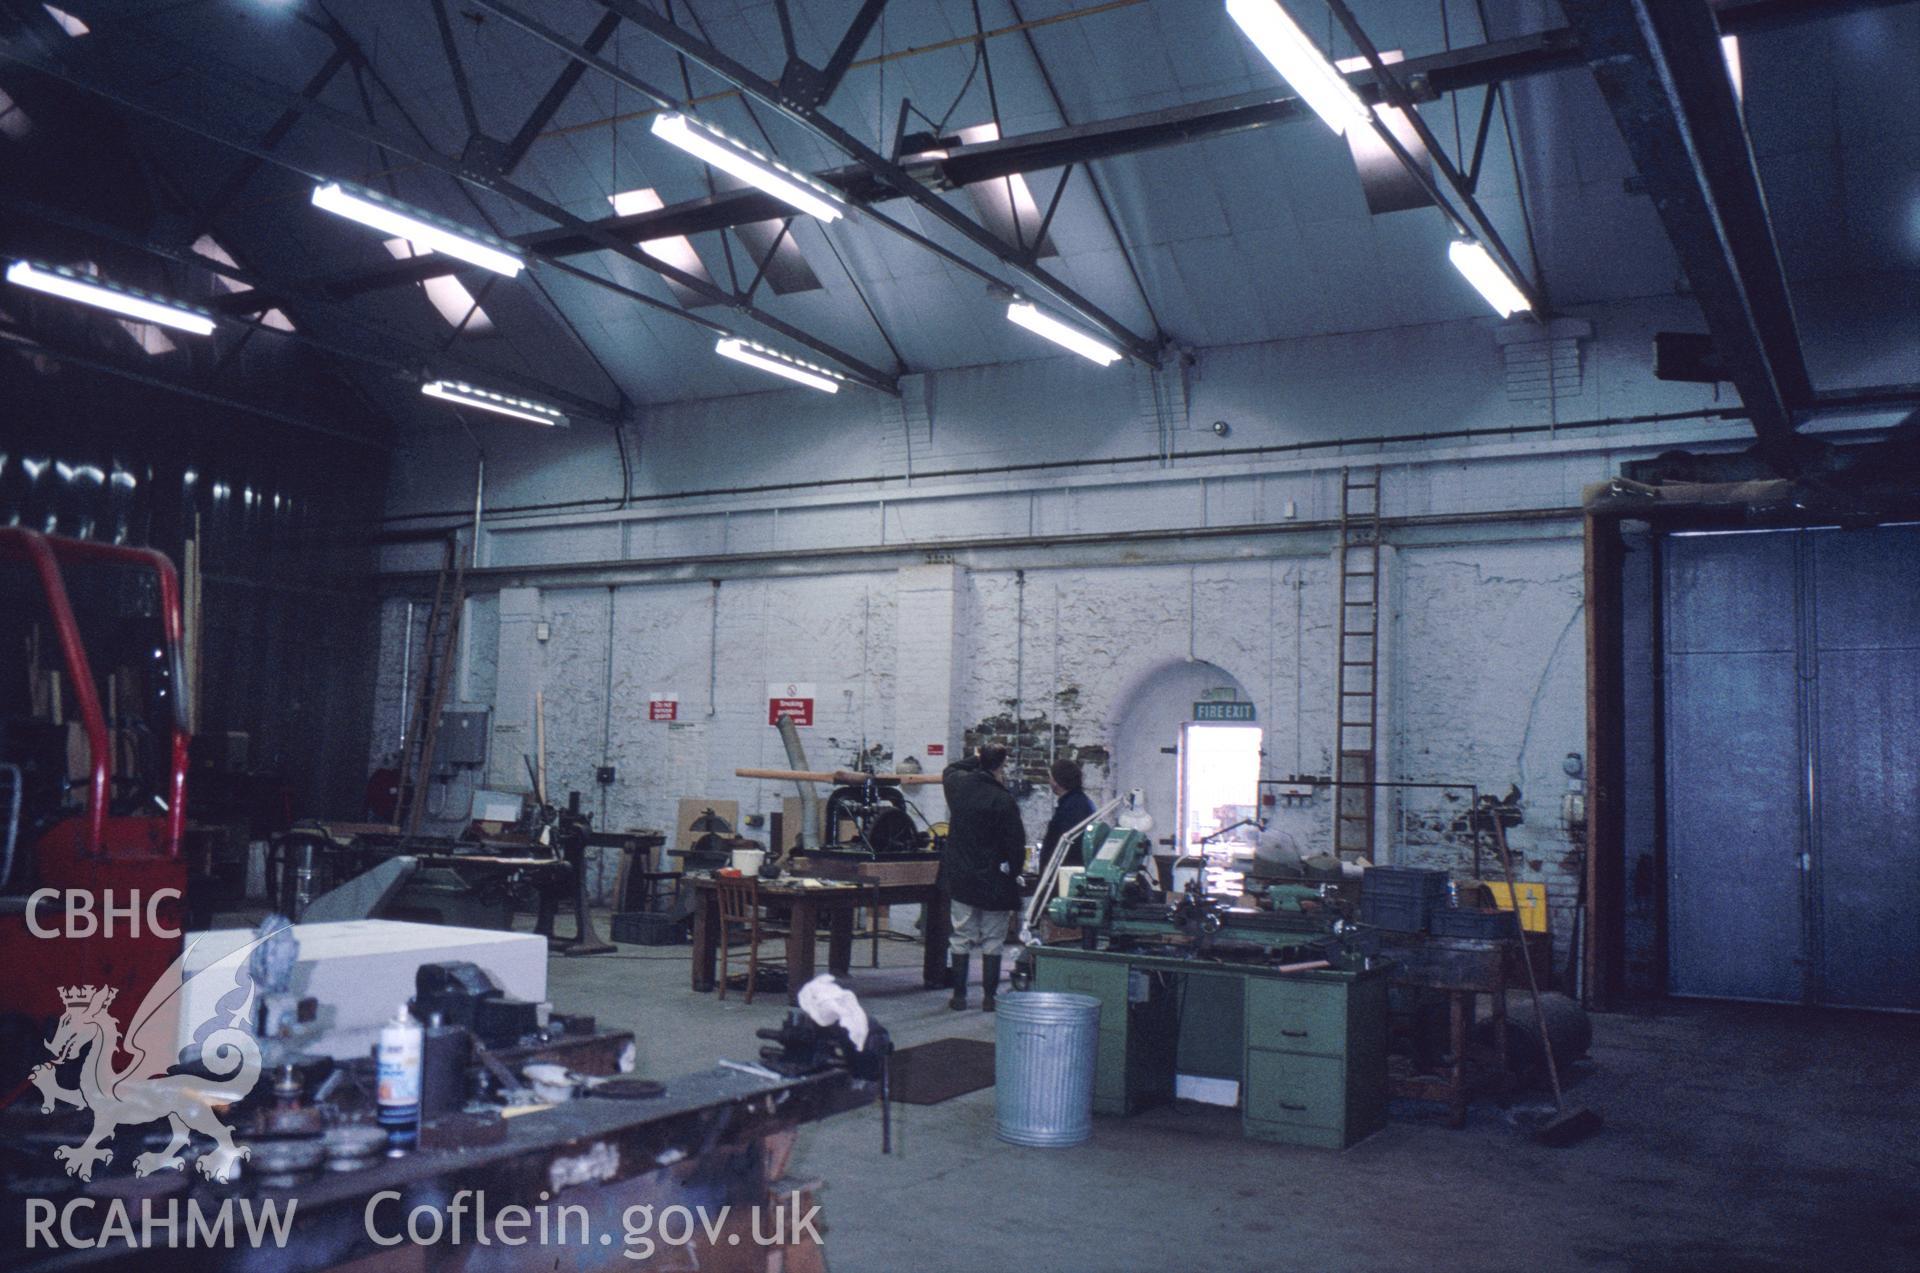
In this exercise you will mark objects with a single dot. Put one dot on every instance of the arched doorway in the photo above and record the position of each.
(1147, 730)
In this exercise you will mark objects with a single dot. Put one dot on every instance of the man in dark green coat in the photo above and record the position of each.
(986, 849)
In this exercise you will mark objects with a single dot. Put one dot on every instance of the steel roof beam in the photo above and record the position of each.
(1663, 73)
(555, 97)
(400, 355)
(814, 86)
(241, 175)
(1495, 62)
(20, 336)
(1049, 148)
(882, 168)
(457, 68)
(425, 156)
(620, 76)
(1469, 219)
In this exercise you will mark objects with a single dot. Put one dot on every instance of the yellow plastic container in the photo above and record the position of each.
(1533, 903)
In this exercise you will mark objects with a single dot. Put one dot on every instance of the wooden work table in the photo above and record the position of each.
(1463, 970)
(835, 901)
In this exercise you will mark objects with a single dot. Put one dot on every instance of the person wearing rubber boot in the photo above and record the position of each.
(986, 847)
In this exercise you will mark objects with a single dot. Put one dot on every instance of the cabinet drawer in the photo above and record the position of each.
(1292, 1088)
(1297, 1017)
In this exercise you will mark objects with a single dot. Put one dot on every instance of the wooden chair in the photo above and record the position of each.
(740, 909)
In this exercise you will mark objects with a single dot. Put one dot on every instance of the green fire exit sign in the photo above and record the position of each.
(1223, 711)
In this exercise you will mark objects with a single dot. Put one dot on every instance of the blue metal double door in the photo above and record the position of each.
(1791, 741)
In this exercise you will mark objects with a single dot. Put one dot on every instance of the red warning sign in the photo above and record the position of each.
(792, 699)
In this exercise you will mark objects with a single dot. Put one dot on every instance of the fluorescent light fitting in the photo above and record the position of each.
(709, 144)
(1028, 315)
(1300, 62)
(57, 280)
(756, 355)
(419, 227)
(463, 394)
(1478, 267)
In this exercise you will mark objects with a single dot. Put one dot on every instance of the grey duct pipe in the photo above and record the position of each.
(809, 802)
(1852, 401)
(479, 502)
(406, 678)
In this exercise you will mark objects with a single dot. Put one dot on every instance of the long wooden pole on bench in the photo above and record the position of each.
(842, 777)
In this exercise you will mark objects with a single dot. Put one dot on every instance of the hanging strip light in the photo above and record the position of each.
(58, 280)
(466, 395)
(1300, 62)
(755, 355)
(709, 144)
(1478, 267)
(423, 229)
(1031, 317)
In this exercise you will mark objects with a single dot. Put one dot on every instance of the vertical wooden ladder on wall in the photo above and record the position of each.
(440, 645)
(1357, 676)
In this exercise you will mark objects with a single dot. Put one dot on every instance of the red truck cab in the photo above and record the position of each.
(93, 762)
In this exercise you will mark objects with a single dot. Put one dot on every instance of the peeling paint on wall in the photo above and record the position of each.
(1033, 743)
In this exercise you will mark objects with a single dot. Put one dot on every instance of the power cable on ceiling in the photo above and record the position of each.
(1513, 158)
(899, 363)
(1017, 28)
(993, 105)
(341, 33)
(1093, 181)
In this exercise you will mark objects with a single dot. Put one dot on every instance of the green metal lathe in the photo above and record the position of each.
(1285, 999)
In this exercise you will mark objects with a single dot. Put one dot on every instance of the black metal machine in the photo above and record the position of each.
(712, 847)
(466, 995)
(473, 881)
(872, 821)
(878, 813)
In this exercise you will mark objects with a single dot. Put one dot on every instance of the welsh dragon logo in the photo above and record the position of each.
(144, 1089)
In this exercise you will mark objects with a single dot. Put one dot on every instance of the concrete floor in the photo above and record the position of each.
(1738, 1138)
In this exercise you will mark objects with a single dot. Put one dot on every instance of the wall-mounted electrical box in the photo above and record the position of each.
(461, 741)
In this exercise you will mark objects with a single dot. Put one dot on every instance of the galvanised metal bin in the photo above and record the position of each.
(1044, 1048)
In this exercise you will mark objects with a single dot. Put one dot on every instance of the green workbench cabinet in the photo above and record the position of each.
(1310, 1047)
(1134, 1069)
(1316, 1059)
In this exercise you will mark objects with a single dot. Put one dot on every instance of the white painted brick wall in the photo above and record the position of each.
(1483, 676)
